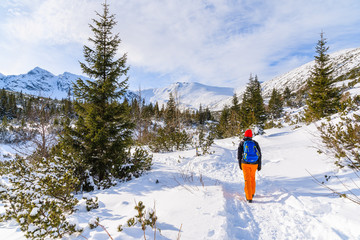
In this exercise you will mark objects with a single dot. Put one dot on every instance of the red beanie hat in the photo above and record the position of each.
(248, 133)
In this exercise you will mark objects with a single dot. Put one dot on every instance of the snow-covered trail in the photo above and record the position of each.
(288, 204)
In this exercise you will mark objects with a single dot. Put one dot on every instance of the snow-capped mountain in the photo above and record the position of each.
(343, 62)
(40, 82)
(189, 94)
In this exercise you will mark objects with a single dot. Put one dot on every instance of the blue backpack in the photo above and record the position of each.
(251, 153)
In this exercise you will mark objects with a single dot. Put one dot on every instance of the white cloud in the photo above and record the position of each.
(211, 41)
(51, 21)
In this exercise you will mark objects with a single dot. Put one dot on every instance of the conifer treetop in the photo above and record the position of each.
(323, 67)
(323, 98)
(100, 64)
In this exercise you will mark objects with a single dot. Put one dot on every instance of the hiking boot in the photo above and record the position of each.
(250, 201)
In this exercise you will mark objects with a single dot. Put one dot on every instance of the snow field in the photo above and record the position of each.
(202, 197)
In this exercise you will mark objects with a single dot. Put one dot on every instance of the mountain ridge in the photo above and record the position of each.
(40, 82)
(190, 95)
(343, 61)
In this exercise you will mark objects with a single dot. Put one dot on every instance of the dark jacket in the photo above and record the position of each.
(241, 153)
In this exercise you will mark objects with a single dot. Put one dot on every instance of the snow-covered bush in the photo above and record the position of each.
(91, 202)
(204, 142)
(39, 196)
(349, 103)
(132, 165)
(139, 162)
(342, 140)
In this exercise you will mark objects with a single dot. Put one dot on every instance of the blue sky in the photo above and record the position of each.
(215, 42)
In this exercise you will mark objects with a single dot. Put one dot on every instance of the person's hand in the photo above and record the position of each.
(259, 168)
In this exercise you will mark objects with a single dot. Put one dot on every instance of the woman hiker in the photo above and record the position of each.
(249, 157)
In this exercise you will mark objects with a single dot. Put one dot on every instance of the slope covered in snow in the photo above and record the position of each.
(343, 61)
(202, 197)
(192, 94)
(40, 82)
(189, 94)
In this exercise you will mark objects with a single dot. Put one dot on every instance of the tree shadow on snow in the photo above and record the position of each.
(277, 134)
(281, 188)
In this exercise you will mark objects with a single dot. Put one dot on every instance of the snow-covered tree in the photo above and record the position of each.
(39, 196)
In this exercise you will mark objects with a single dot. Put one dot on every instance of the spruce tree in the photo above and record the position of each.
(323, 99)
(208, 115)
(200, 115)
(287, 95)
(222, 129)
(100, 141)
(171, 113)
(234, 127)
(235, 104)
(170, 137)
(203, 115)
(3, 103)
(252, 106)
(156, 111)
(275, 104)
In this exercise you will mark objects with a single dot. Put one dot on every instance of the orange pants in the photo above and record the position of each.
(249, 177)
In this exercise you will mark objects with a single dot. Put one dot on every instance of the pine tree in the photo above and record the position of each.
(252, 106)
(200, 115)
(234, 127)
(157, 111)
(323, 99)
(275, 104)
(287, 97)
(3, 103)
(236, 105)
(171, 113)
(222, 128)
(170, 137)
(203, 115)
(230, 123)
(101, 138)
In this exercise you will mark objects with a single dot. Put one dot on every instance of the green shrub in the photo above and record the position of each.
(167, 141)
(140, 162)
(39, 195)
(205, 142)
(342, 140)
